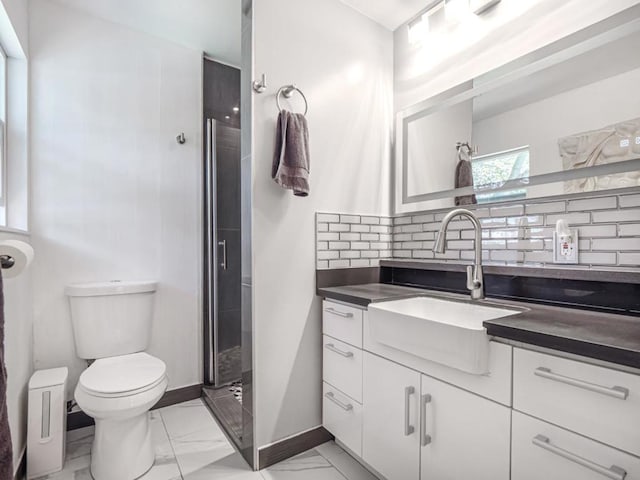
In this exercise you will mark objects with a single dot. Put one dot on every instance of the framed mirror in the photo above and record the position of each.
(563, 119)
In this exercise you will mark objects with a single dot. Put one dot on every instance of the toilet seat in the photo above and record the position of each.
(122, 376)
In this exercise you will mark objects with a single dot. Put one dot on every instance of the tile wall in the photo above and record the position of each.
(513, 234)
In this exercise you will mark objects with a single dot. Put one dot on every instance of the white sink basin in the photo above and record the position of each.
(443, 331)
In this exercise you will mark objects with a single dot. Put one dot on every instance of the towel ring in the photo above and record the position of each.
(287, 92)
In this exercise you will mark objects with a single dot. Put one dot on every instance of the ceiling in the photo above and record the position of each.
(212, 26)
(389, 13)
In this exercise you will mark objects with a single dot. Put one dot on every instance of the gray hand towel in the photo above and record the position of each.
(6, 455)
(464, 178)
(291, 160)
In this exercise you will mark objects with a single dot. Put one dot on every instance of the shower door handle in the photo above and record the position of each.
(223, 262)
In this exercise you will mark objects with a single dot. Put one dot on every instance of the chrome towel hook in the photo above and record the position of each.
(181, 138)
(287, 91)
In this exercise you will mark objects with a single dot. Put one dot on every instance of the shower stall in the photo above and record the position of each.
(222, 253)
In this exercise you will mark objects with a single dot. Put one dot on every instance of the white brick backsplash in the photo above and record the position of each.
(328, 236)
(525, 244)
(349, 219)
(629, 258)
(339, 264)
(339, 227)
(547, 207)
(600, 258)
(327, 218)
(629, 229)
(328, 255)
(349, 236)
(507, 211)
(588, 204)
(360, 228)
(361, 262)
(380, 229)
(609, 228)
(617, 216)
(572, 218)
(627, 201)
(615, 243)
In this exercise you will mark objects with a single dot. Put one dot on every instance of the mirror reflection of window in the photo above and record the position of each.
(494, 171)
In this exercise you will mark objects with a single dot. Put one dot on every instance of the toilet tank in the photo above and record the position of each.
(111, 318)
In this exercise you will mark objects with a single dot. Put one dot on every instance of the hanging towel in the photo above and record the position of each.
(464, 178)
(291, 158)
(6, 454)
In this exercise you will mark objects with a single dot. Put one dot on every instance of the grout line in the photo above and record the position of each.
(171, 444)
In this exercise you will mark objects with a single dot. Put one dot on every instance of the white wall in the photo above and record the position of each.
(113, 195)
(343, 63)
(18, 342)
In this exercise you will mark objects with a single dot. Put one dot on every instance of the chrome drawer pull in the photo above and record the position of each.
(425, 439)
(408, 428)
(332, 347)
(345, 406)
(338, 312)
(615, 392)
(614, 472)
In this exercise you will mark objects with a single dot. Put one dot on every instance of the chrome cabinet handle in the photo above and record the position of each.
(614, 472)
(223, 244)
(345, 406)
(338, 312)
(615, 392)
(332, 347)
(408, 428)
(425, 439)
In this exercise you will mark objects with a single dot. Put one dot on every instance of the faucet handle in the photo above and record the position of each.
(473, 281)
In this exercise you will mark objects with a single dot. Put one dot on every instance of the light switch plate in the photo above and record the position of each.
(565, 250)
(480, 6)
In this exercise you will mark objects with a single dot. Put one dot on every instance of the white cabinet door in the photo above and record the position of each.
(390, 418)
(463, 436)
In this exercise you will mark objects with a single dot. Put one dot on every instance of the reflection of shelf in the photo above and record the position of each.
(545, 178)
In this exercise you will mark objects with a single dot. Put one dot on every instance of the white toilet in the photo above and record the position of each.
(112, 324)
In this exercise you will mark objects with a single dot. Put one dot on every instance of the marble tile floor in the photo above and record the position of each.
(191, 446)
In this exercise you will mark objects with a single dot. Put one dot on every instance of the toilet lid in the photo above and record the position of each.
(123, 374)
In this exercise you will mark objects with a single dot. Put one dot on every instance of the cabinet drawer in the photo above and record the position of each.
(342, 367)
(342, 417)
(342, 322)
(543, 451)
(595, 401)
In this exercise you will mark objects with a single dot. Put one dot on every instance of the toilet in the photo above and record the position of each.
(112, 326)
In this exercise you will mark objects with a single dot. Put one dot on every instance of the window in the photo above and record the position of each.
(494, 171)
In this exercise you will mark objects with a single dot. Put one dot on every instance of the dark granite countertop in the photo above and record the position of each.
(368, 293)
(604, 336)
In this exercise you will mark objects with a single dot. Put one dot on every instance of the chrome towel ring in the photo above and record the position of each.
(287, 92)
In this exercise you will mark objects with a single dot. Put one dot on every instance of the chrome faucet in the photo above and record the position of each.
(475, 282)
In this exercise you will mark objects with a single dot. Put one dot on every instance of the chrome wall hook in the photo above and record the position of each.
(261, 85)
(181, 138)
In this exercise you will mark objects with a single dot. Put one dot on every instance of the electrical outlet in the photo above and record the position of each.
(565, 247)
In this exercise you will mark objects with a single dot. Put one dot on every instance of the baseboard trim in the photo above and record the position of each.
(288, 447)
(21, 469)
(80, 419)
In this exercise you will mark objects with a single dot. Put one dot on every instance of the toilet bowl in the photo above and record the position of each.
(118, 393)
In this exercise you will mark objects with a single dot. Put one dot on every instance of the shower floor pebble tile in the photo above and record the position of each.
(190, 445)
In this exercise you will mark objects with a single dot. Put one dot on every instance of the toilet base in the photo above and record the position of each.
(122, 448)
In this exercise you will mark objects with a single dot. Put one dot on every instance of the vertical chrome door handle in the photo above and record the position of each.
(223, 263)
(614, 472)
(408, 428)
(425, 439)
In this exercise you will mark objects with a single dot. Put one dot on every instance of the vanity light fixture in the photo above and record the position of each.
(481, 6)
(418, 26)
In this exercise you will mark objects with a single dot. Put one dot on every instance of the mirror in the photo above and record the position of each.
(564, 119)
